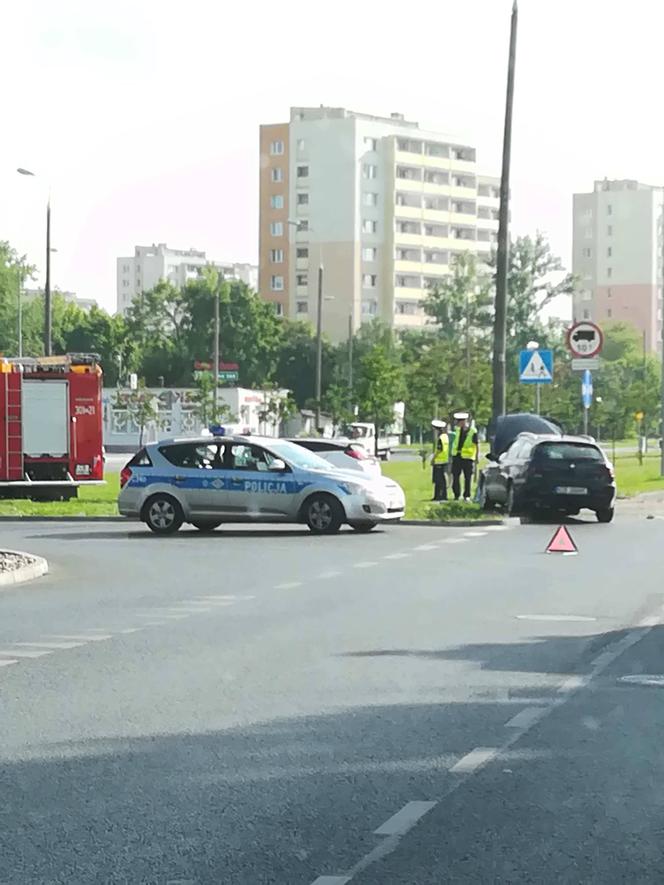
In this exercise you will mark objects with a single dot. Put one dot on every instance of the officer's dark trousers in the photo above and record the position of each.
(462, 465)
(439, 479)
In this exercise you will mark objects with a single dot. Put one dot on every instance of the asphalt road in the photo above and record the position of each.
(419, 705)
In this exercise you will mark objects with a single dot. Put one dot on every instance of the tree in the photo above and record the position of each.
(380, 386)
(277, 407)
(460, 305)
(14, 272)
(206, 411)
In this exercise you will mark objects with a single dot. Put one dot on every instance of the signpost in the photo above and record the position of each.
(536, 367)
(586, 396)
(584, 339)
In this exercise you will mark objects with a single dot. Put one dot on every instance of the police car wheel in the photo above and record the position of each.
(206, 525)
(362, 526)
(163, 514)
(323, 514)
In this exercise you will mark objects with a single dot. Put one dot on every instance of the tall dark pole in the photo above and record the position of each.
(661, 412)
(500, 318)
(350, 356)
(215, 356)
(47, 284)
(319, 345)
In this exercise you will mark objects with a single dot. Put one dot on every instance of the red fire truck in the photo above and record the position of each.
(50, 426)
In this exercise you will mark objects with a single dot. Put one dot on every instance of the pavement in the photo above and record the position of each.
(417, 705)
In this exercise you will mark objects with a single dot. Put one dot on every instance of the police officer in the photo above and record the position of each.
(440, 460)
(464, 454)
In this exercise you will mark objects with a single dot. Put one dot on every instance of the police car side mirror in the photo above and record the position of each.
(278, 465)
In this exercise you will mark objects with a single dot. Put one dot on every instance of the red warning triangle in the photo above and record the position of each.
(562, 542)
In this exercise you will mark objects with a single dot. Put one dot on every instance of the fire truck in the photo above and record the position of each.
(50, 426)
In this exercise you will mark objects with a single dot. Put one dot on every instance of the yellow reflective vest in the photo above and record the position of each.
(442, 453)
(468, 448)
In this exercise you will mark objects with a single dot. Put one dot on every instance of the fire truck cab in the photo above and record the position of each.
(50, 426)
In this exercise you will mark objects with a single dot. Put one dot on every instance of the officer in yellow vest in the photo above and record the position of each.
(440, 460)
(464, 454)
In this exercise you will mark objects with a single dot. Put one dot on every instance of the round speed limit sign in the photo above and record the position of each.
(584, 339)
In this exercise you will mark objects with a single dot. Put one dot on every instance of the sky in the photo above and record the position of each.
(141, 116)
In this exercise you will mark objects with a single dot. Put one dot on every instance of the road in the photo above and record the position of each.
(418, 705)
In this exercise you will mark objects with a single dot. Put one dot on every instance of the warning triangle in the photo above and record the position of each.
(536, 368)
(562, 542)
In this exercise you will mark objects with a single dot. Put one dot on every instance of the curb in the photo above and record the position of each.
(37, 568)
(19, 518)
(458, 523)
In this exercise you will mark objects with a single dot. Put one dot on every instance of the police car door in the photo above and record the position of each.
(256, 490)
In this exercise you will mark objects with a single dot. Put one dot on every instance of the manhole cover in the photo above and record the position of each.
(656, 679)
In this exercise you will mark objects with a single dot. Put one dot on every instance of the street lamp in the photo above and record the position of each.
(47, 282)
(532, 346)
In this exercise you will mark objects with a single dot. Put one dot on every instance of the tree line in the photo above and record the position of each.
(444, 366)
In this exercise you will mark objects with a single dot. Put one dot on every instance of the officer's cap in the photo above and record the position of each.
(461, 416)
(439, 425)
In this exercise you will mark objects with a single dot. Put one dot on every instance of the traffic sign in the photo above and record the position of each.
(580, 364)
(562, 542)
(536, 366)
(587, 389)
(584, 339)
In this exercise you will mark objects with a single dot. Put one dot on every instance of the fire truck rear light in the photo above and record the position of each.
(125, 476)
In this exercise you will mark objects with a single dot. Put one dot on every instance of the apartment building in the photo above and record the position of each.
(382, 204)
(85, 304)
(150, 264)
(617, 256)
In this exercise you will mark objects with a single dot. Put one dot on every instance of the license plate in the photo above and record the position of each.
(571, 490)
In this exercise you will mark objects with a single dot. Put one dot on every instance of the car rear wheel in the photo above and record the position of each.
(362, 526)
(323, 514)
(605, 514)
(206, 525)
(162, 514)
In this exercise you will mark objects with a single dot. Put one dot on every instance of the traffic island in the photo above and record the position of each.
(17, 567)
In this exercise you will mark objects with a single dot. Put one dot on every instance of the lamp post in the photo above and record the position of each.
(47, 281)
(532, 346)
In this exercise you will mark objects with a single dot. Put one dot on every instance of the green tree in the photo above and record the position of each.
(380, 386)
(206, 411)
(14, 273)
(461, 305)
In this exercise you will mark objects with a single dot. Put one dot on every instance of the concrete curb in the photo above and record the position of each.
(36, 569)
(453, 523)
(19, 518)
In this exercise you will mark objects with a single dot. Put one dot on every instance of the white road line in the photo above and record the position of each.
(397, 556)
(54, 645)
(474, 534)
(366, 564)
(224, 597)
(24, 653)
(154, 624)
(404, 819)
(331, 880)
(7, 663)
(89, 637)
(554, 618)
(179, 610)
(288, 585)
(131, 630)
(650, 621)
(526, 718)
(455, 540)
(573, 684)
(497, 528)
(473, 760)
(325, 575)
(426, 547)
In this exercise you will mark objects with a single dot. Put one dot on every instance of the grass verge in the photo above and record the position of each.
(93, 501)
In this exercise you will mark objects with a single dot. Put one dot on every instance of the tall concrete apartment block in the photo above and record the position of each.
(617, 255)
(382, 204)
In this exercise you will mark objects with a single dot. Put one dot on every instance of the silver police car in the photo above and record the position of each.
(211, 480)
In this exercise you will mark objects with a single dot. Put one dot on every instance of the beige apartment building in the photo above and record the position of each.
(617, 256)
(381, 204)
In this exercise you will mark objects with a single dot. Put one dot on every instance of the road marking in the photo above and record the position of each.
(131, 630)
(396, 556)
(154, 623)
(455, 540)
(474, 534)
(54, 645)
(288, 585)
(177, 610)
(554, 618)
(331, 880)
(426, 547)
(573, 684)
(366, 564)
(650, 621)
(225, 597)
(473, 760)
(526, 718)
(25, 653)
(7, 663)
(324, 575)
(404, 819)
(497, 528)
(644, 679)
(94, 637)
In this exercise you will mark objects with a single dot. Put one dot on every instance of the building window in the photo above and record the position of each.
(303, 199)
(609, 252)
(276, 256)
(301, 144)
(609, 292)
(125, 283)
(369, 280)
(277, 148)
(369, 199)
(369, 308)
(369, 227)
(302, 252)
(302, 224)
(277, 228)
(370, 143)
(276, 283)
(125, 268)
(587, 252)
(277, 201)
(277, 174)
(302, 306)
(369, 170)
(609, 209)
(369, 253)
(609, 272)
(586, 314)
(301, 279)
(609, 230)
(302, 172)
(279, 309)
(408, 308)
(609, 313)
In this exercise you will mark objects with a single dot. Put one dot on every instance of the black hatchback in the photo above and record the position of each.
(550, 474)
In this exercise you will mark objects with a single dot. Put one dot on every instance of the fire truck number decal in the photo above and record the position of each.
(85, 410)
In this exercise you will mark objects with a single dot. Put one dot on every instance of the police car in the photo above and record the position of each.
(211, 480)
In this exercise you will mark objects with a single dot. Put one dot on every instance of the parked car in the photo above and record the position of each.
(550, 474)
(342, 454)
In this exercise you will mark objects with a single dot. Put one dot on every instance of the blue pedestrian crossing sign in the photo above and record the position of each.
(536, 366)
(587, 389)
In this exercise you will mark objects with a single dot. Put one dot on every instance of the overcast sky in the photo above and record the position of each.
(143, 114)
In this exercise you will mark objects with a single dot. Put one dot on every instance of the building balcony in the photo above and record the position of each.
(408, 267)
(409, 292)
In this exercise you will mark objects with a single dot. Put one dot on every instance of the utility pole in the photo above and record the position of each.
(19, 315)
(350, 356)
(661, 426)
(47, 284)
(215, 398)
(319, 345)
(500, 316)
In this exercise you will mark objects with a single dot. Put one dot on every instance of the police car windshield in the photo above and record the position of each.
(300, 457)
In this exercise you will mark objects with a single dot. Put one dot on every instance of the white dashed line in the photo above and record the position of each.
(7, 663)
(404, 819)
(25, 653)
(131, 630)
(367, 564)
(288, 585)
(455, 540)
(426, 547)
(59, 646)
(497, 528)
(325, 575)
(526, 718)
(397, 556)
(554, 618)
(94, 637)
(474, 534)
(331, 880)
(573, 684)
(473, 760)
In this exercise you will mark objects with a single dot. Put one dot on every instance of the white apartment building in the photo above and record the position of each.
(150, 264)
(382, 204)
(617, 256)
(85, 304)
